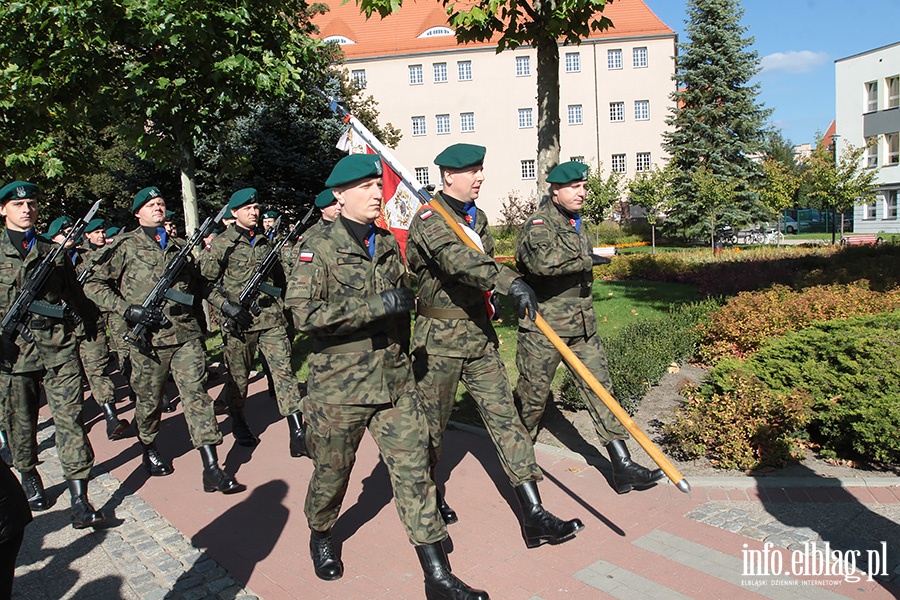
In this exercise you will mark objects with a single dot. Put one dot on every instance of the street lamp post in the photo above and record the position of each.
(834, 147)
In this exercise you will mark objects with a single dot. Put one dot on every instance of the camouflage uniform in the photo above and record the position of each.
(51, 358)
(126, 277)
(93, 345)
(232, 258)
(454, 340)
(555, 260)
(360, 377)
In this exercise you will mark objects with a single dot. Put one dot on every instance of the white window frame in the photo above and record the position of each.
(439, 70)
(619, 163)
(528, 169)
(466, 122)
(872, 153)
(639, 57)
(526, 118)
(573, 62)
(871, 96)
(416, 75)
(614, 59)
(464, 70)
(892, 143)
(442, 124)
(616, 112)
(870, 210)
(893, 89)
(422, 175)
(358, 76)
(523, 66)
(890, 205)
(641, 110)
(577, 158)
(642, 162)
(419, 126)
(575, 114)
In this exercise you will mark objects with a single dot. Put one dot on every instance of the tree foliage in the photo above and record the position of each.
(841, 184)
(652, 191)
(712, 193)
(602, 194)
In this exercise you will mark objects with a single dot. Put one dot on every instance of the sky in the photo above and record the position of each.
(798, 42)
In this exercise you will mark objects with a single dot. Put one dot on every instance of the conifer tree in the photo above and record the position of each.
(718, 123)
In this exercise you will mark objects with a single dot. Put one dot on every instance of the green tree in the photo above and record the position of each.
(779, 189)
(712, 193)
(602, 194)
(717, 122)
(512, 23)
(652, 191)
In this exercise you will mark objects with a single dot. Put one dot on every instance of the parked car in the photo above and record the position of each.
(789, 225)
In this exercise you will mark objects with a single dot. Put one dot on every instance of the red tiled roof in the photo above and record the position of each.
(398, 33)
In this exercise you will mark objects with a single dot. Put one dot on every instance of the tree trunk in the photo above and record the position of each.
(548, 111)
(188, 188)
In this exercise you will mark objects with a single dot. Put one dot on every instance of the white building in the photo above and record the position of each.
(614, 92)
(867, 91)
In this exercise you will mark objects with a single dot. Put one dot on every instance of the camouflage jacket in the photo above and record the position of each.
(452, 275)
(556, 261)
(230, 263)
(127, 275)
(54, 339)
(333, 293)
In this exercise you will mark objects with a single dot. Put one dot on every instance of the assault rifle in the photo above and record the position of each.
(163, 290)
(250, 294)
(14, 323)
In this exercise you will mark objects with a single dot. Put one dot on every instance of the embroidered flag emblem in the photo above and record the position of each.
(306, 256)
(537, 221)
(426, 214)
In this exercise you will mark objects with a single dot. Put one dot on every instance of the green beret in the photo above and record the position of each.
(325, 198)
(242, 197)
(353, 168)
(568, 172)
(169, 214)
(58, 225)
(143, 197)
(460, 156)
(94, 225)
(18, 190)
(270, 214)
(113, 231)
(227, 214)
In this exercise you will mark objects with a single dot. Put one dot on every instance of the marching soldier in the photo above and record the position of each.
(231, 261)
(349, 292)
(454, 340)
(51, 358)
(268, 222)
(556, 259)
(120, 284)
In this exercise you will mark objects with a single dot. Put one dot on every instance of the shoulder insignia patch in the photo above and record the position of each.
(426, 214)
(306, 257)
(537, 221)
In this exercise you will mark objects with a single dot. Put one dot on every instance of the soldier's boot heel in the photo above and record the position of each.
(167, 405)
(34, 490)
(297, 428)
(447, 514)
(214, 478)
(83, 513)
(154, 462)
(326, 563)
(240, 429)
(539, 526)
(440, 583)
(115, 427)
(627, 474)
(5, 453)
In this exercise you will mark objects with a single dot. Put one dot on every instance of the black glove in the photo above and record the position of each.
(143, 314)
(237, 313)
(398, 301)
(9, 354)
(524, 298)
(597, 260)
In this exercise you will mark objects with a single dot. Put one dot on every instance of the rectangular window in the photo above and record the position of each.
(616, 111)
(871, 210)
(358, 76)
(464, 70)
(418, 126)
(442, 124)
(893, 148)
(525, 120)
(523, 66)
(422, 175)
(872, 152)
(466, 122)
(528, 171)
(893, 87)
(440, 72)
(890, 206)
(614, 59)
(618, 163)
(577, 159)
(573, 62)
(642, 162)
(872, 96)
(639, 57)
(574, 113)
(415, 75)
(641, 110)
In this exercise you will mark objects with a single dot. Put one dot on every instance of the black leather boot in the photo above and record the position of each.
(214, 478)
(154, 462)
(83, 514)
(447, 514)
(5, 453)
(327, 564)
(115, 427)
(627, 474)
(298, 435)
(167, 405)
(440, 583)
(240, 429)
(34, 490)
(539, 525)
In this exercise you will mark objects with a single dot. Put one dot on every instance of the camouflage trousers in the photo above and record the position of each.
(334, 432)
(537, 361)
(94, 357)
(187, 363)
(117, 330)
(21, 394)
(437, 379)
(276, 348)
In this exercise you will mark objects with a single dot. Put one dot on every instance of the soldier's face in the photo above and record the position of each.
(267, 223)
(248, 216)
(20, 214)
(570, 195)
(153, 213)
(96, 237)
(464, 184)
(361, 201)
(332, 211)
(171, 229)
